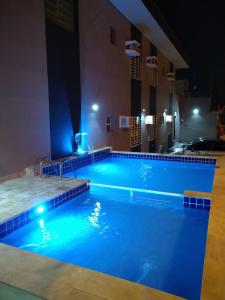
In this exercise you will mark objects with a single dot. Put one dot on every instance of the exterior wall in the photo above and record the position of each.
(104, 73)
(195, 126)
(24, 112)
(145, 96)
(182, 87)
(105, 78)
(162, 100)
(176, 109)
(163, 89)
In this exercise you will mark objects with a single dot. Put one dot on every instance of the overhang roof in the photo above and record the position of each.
(147, 18)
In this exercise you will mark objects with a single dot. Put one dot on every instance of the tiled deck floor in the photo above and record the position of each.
(55, 280)
(22, 193)
(8, 292)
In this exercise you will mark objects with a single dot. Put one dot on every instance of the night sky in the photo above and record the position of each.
(200, 27)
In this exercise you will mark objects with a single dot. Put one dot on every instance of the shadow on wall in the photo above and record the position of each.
(64, 85)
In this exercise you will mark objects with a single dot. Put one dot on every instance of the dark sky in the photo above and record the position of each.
(200, 27)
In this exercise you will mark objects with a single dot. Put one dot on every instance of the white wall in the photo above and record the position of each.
(105, 78)
(104, 72)
(24, 112)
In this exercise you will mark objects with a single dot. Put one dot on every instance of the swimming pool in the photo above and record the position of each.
(147, 239)
(165, 176)
(134, 223)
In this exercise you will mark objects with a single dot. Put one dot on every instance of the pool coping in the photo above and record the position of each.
(74, 162)
(213, 283)
(56, 280)
(16, 221)
(145, 291)
(166, 157)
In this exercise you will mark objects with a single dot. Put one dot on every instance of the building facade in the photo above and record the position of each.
(122, 85)
(59, 58)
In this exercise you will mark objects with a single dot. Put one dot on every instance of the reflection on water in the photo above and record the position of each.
(95, 215)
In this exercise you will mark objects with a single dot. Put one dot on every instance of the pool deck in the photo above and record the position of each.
(20, 194)
(52, 279)
(214, 268)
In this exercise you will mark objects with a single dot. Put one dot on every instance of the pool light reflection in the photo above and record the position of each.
(42, 223)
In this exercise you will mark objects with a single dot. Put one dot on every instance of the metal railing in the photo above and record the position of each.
(47, 160)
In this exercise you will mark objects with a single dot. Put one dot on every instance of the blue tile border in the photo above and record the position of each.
(197, 202)
(173, 158)
(79, 162)
(27, 216)
(76, 162)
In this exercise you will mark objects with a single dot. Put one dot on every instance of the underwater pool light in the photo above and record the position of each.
(40, 209)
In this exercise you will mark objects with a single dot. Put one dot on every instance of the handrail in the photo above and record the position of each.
(43, 160)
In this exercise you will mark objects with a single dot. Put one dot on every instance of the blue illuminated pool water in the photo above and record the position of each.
(164, 176)
(151, 240)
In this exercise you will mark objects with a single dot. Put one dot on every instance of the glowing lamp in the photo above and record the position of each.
(195, 111)
(95, 107)
(149, 120)
(164, 113)
(169, 118)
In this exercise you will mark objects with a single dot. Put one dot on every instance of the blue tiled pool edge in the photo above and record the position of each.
(165, 157)
(83, 160)
(197, 202)
(20, 220)
(77, 162)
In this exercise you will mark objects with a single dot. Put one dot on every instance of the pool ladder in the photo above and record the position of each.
(46, 159)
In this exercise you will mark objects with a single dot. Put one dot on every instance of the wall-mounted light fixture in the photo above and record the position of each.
(149, 120)
(169, 118)
(195, 111)
(95, 107)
